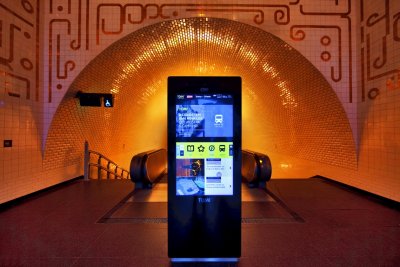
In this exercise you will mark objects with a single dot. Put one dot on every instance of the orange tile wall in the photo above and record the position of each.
(326, 103)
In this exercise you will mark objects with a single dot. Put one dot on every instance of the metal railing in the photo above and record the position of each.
(102, 164)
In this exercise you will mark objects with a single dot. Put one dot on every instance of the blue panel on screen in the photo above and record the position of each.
(218, 121)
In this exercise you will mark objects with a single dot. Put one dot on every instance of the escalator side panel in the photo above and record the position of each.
(155, 165)
(249, 167)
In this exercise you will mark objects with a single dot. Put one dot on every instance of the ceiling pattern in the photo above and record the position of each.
(288, 106)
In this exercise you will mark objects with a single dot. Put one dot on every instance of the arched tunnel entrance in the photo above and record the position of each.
(288, 106)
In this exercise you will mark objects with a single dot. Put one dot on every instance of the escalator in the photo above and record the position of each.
(147, 203)
(148, 168)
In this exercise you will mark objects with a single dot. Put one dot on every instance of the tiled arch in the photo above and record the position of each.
(289, 107)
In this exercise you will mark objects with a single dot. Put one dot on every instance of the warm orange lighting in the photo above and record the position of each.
(285, 165)
(288, 106)
(270, 70)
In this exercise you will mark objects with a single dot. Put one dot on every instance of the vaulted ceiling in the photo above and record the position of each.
(288, 106)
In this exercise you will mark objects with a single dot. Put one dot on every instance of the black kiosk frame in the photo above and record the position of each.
(204, 168)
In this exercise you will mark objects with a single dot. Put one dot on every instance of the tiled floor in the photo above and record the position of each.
(60, 228)
(150, 206)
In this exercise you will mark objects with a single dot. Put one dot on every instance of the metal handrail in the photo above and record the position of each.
(100, 167)
(148, 167)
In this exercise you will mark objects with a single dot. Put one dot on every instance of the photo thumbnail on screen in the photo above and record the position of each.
(204, 118)
(190, 177)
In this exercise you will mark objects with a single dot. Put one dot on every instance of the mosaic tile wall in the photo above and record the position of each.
(379, 98)
(322, 98)
(20, 103)
(136, 68)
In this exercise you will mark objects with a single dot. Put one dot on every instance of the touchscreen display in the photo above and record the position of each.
(204, 144)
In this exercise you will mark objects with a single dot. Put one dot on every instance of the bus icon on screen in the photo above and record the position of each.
(221, 148)
(219, 118)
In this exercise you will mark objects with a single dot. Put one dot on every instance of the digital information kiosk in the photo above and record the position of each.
(204, 169)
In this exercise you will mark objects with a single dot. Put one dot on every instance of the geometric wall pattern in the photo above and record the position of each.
(76, 31)
(289, 107)
(354, 44)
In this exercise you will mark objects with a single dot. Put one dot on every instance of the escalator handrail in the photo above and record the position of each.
(139, 172)
(263, 166)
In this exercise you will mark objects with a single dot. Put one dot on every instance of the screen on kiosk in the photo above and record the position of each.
(204, 147)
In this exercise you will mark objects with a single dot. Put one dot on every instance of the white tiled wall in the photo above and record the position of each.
(313, 138)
